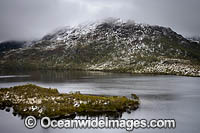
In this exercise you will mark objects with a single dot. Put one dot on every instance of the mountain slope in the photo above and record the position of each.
(9, 45)
(111, 45)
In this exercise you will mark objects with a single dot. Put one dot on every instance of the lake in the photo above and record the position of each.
(161, 97)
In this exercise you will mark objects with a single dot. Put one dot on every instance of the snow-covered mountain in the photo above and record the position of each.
(110, 45)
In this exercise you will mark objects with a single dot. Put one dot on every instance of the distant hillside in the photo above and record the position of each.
(9, 45)
(111, 45)
(195, 39)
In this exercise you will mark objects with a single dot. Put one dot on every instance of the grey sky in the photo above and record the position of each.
(30, 19)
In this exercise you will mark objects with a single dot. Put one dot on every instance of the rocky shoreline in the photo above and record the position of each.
(179, 67)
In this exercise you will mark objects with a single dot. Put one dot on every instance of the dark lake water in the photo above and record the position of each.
(161, 97)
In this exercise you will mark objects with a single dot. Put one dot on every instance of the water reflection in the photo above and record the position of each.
(51, 75)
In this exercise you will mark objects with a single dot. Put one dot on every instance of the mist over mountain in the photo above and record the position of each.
(32, 19)
(110, 45)
(9, 45)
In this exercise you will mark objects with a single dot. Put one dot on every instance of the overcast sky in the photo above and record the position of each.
(31, 19)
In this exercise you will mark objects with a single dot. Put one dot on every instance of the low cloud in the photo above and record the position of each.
(30, 19)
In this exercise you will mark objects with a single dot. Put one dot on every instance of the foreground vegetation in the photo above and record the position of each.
(38, 101)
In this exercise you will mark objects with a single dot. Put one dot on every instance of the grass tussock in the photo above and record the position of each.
(38, 101)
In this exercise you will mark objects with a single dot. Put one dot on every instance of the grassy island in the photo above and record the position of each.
(38, 101)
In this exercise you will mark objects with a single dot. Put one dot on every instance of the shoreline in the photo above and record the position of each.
(105, 70)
